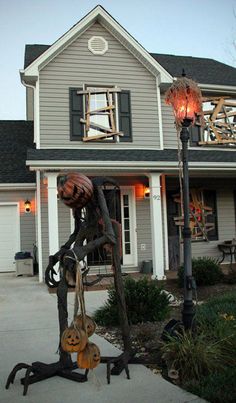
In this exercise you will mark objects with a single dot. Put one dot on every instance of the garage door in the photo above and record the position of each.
(9, 236)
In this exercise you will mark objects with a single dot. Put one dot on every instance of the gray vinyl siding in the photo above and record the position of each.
(29, 104)
(143, 230)
(168, 124)
(27, 220)
(76, 66)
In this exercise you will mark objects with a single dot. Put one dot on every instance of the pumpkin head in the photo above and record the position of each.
(90, 357)
(73, 340)
(74, 189)
(89, 323)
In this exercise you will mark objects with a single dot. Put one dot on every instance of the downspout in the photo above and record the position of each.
(38, 189)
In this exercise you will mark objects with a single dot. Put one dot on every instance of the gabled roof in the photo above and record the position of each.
(98, 14)
(204, 71)
(15, 137)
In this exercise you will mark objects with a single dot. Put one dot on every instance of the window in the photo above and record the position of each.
(202, 214)
(100, 114)
(219, 123)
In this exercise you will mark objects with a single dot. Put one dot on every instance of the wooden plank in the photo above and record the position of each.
(98, 91)
(215, 142)
(102, 136)
(217, 109)
(96, 111)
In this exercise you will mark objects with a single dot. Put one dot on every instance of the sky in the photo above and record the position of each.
(200, 28)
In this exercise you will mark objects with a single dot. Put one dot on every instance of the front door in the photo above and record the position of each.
(121, 206)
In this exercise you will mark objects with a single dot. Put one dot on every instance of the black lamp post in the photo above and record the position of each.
(185, 98)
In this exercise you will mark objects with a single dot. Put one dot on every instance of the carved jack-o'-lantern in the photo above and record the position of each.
(90, 357)
(73, 340)
(74, 189)
(89, 323)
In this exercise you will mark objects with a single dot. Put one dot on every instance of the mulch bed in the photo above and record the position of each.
(146, 337)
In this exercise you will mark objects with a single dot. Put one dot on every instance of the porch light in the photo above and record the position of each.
(146, 192)
(186, 100)
(27, 206)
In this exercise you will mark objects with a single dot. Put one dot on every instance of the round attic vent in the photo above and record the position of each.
(98, 45)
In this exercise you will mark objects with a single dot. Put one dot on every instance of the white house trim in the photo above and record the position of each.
(39, 226)
(98, 14)
(165, 222)
(18, 186)
(156, 226)
(129, 165)
(53, 230)
(159, 116)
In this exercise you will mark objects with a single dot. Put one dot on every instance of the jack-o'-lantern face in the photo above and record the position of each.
(74, 189)
(90, 357)
(73, 340)
(89, 323)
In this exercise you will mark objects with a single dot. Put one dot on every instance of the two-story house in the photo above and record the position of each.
(96, 97)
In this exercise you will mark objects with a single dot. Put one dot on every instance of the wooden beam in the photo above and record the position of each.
(98, 91)
(102, 136)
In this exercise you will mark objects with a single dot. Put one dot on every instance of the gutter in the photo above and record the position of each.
(35, 165)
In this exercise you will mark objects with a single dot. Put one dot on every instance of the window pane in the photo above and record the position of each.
(127, 236)
(126, 212)
(126, 224)
(127, 249)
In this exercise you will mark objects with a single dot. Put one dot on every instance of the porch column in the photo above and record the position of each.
(52, 214)
(156, 226)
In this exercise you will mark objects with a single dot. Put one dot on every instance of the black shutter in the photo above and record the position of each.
(125, 115)
(209, 197)
(76, 113)
(194, 132)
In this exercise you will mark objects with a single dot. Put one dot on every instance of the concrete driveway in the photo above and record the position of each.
(29, 332)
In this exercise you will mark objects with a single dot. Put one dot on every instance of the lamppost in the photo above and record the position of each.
(185, 98)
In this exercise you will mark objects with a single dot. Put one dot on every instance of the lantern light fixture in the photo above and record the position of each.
(27, 206)
(146, 192)
(185, 98)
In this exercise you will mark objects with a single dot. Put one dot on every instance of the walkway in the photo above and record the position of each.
(29, 332)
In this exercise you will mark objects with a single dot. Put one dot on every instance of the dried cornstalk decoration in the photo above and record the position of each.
(185, 97)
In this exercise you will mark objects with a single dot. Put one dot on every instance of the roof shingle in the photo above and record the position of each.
(15, 137)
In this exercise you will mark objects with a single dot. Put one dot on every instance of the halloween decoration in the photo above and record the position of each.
(89, 358)
(73, 339)
(89, 323)
(185, 97)
(74, 189)
(97, 229)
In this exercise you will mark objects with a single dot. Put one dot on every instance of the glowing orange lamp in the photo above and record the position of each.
(186, 100)
(146, 192)
(27, 206)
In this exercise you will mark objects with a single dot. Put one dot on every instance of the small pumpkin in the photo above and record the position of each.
(73, 340)
(89, 323)
(74, 189)
(90, 357)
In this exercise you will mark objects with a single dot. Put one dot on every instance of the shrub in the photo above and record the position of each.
(217, 387)
(144, 299)
(206, 271)
(191, 355)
